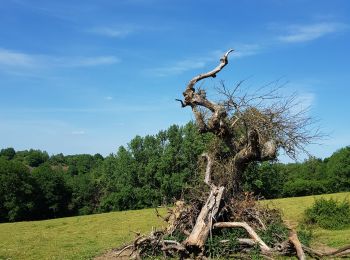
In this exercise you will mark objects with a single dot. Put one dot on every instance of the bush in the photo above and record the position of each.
(329, 214)
(216, 249)
(305, 235)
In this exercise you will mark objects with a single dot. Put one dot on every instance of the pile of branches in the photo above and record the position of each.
(238, 228)
(220, 219)
(199, 231)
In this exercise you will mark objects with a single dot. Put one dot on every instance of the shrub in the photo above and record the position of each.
(275, 232)
(329, 214)
(305, 235)
(215, 248)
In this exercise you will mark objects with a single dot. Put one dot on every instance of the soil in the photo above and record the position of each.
(113, 255)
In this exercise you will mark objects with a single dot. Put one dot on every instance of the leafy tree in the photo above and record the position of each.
(82, 163)
(338, 170)
(265, 179)
(8, 153)
(36, 157)
(53, 193)
(16, 191)
(85, 193)
(58, 159)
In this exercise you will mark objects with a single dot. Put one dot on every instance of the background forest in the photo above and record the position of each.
(150, 171)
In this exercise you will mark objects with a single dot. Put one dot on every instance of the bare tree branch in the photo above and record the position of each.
(207, 178)
(249, 230)
(293, 238)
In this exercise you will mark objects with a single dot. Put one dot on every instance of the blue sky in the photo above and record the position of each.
(87, 76)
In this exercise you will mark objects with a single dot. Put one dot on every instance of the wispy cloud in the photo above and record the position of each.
(108, 98)
(66, 11)
(181, 66)
(309, 32)
(12, 60)
(118, 108)
(306, 100)
(178, 67)
(244, 50)
(114, 32)
(84, 61)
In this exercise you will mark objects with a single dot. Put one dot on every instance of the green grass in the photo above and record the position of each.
(75, 237)
(293, 208)
(87, 236)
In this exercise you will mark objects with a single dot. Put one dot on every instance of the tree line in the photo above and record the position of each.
(149, 171)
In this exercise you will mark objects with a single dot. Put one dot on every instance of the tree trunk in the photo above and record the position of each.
(203, 225)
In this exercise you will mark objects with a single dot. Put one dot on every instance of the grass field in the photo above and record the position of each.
(75, 237)
(293, 208)
(87, 236)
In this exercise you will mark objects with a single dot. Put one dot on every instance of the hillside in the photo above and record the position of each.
(87, 236)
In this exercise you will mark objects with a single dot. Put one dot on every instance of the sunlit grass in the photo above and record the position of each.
(73, 238)
(87, 236)
(293, 208)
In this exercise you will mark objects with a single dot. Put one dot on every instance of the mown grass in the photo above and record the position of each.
(87, 236)
(75, 237)
(293, 209)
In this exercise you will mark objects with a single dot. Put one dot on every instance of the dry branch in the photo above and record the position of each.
(249, 230)
(207, 178)
(341, 252)
(293, 238)
(247, 129)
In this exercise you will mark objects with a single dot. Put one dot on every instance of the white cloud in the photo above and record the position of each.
(86, 61)
(241, 50)
(109, 98)
(244, 50)
(306, 100)
(12, 60)
(304, 33)
(178, 67)
(113, 32)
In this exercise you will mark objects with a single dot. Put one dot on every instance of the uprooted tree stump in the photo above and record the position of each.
(246, 129)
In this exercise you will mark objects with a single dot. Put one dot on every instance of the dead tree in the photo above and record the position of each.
(252, 131)
(253, 127)
(247, 128)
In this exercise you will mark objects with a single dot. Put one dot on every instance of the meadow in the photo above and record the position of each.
(84, 237)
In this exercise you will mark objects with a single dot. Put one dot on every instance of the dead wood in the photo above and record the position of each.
(341, 252)
(246, 129)
(203, 225)
(254, 236)
(293, 238)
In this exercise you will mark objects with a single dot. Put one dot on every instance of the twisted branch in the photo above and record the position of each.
(249, 229)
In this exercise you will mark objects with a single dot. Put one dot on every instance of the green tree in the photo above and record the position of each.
(36, 157)
(8, 153)
(16, 191)
(338, 170)
(53, 193)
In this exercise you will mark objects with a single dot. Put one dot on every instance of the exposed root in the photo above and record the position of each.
(254, 236)
(293, 238)
(341, 252)
(123, 249)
